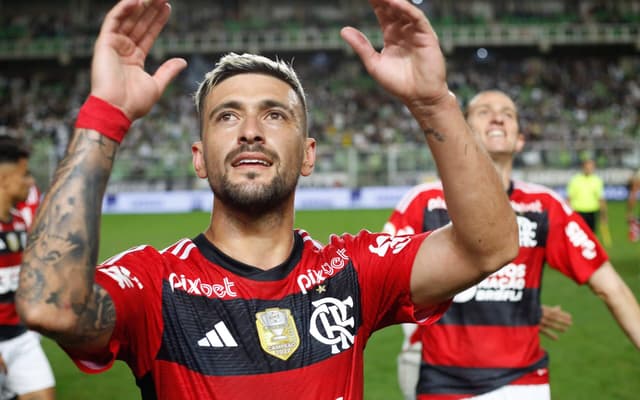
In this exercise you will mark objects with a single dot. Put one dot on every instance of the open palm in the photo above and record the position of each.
(117, 74)
(410, 65)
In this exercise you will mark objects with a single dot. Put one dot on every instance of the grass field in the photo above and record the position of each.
(594, 360)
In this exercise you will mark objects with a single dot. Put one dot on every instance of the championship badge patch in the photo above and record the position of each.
(277, 332)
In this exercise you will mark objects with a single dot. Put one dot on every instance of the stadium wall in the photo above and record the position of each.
(306, 199)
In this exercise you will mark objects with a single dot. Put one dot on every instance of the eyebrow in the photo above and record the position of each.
(264, 104)
(228, 104)
(505, 108)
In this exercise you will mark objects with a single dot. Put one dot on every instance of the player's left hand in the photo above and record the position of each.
(554, 320)
(411, 65)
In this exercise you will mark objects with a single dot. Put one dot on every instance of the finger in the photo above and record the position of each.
(147, 19)
(129, 24)
(361, 46)
(550, 334)
(143, 8)
(555, 313)
(557, 324)
(119, 15)
(562, 317)
(390, 12)
(553, 322)
(145, 42)
(559, 327)
(565, 318)
(168, 71)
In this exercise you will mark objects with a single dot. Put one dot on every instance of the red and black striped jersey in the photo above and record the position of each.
(28, 207)
(13, 238)
(192, 323)
(489, 336)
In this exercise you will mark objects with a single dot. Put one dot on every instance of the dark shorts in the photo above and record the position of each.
(590, 218)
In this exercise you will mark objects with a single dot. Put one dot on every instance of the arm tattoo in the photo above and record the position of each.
(435, 134)
(62, 251)
(97, 315)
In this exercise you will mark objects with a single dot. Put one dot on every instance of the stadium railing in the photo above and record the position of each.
(544, 36)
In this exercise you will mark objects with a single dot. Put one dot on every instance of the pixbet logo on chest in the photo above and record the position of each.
(314, 277)
(197, 287)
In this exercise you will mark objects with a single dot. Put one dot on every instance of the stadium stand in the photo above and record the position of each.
(573, 67)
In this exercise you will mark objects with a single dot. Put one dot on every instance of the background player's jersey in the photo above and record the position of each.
(489, 336)
(28, 207)
(13, 237)
(193, 323)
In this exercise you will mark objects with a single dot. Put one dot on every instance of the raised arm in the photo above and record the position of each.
(57, 295)
(607, 284)
(483, 235)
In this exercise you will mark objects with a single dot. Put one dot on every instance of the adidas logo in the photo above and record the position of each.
(219, 336)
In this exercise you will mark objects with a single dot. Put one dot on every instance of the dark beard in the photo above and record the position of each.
(254, 200)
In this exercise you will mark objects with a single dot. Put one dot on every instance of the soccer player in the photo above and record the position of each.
(487, 346)
(29, 375)
(554, 320)
(253, 308)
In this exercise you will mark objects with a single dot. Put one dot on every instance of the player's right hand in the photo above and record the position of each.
(117, 72)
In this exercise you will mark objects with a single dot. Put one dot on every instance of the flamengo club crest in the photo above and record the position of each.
(277, 332)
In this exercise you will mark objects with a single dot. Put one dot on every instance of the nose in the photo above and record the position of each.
(497, 116)
(250, 131)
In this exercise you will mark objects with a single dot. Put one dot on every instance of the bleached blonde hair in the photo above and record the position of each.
(234, 64)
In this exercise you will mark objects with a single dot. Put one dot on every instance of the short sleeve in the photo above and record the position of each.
(572, 248)
(384, 266)
(133, 279)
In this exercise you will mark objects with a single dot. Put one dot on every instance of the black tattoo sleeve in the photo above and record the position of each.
(56, 293)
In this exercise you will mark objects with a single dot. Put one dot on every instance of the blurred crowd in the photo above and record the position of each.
(68, 18)
(564, 99)
(565, 96)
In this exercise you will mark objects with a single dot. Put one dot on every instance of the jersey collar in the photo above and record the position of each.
(214, 255)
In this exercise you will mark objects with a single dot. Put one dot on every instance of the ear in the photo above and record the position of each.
(309, 157)
(198, 160)
(520, 143)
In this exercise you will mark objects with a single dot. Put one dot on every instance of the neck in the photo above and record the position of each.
(504, 165)
(263, 241)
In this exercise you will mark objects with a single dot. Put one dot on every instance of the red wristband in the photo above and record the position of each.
(105, 118)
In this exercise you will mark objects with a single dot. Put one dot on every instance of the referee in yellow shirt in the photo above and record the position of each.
(585, 192)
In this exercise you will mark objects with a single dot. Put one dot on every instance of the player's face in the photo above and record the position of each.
(254, 146)
(16, 180)
(494, 117)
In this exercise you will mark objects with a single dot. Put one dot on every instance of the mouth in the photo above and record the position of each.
(496, 133)
(251, 160)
